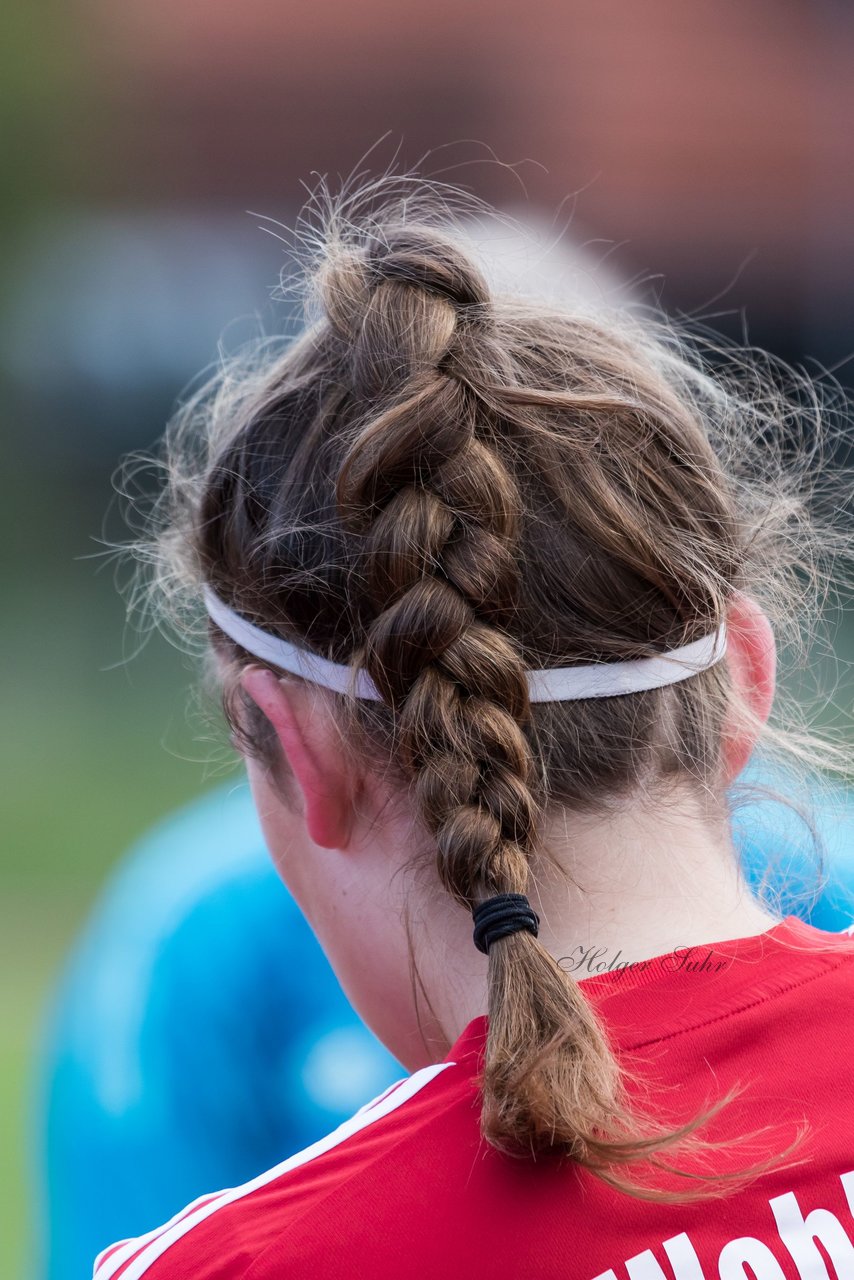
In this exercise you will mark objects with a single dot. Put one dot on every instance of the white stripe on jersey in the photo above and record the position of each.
(124, 1246)
(155, 1243)
(389, 1089)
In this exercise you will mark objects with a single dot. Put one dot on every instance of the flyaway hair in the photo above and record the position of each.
(449, 489)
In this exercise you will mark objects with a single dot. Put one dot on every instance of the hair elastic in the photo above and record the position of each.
(500, 916)
(552, 684)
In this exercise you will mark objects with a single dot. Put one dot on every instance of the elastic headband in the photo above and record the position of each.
(552, 684)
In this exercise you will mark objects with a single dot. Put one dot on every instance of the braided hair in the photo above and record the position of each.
(405, 489)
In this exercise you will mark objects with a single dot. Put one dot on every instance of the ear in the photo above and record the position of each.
(312, 749)
(752, 660)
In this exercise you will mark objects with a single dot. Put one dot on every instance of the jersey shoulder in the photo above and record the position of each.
(223, 1235)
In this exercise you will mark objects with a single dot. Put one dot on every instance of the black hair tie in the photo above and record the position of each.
(500, 916)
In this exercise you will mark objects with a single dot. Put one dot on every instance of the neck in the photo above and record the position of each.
(640, 882)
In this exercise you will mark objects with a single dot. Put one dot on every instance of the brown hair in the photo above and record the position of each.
(446, 487)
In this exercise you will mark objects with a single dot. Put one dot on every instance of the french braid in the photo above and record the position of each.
(403, 489)
(426, 485)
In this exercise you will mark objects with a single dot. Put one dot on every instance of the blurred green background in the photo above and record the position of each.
(704, 148)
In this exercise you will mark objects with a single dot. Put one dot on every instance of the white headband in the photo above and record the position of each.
(554, 684)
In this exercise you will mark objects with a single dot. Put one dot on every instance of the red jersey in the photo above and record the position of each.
(407, 1187)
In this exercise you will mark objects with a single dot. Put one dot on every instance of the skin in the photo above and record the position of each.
(643, 882)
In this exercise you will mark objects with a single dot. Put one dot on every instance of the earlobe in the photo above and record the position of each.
(752, 660)
(316, 767)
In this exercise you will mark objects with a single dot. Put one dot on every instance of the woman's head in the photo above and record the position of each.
(446, 488)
